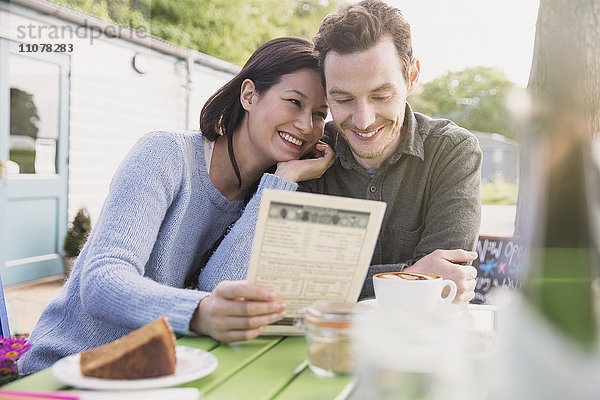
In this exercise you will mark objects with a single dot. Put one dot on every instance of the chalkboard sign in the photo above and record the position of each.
(499, 264)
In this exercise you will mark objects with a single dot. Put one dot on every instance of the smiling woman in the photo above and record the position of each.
(175, 195)
(234, 110)
(294, 110)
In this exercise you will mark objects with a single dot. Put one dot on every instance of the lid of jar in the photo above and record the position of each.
(332, 314)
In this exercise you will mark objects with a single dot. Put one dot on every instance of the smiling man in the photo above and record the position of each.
(426, 170)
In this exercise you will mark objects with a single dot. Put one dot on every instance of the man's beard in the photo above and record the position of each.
(369, 154)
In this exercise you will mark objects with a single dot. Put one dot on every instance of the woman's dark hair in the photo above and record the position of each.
(223, 112)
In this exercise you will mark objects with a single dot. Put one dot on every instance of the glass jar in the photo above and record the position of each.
(328, 338)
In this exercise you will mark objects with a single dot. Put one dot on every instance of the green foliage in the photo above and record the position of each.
(474, 98)
(227, 29)
(23, 113)
(25, 158)
(77, 233)
(499, 192)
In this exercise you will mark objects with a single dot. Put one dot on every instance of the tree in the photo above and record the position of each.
(565, 72)
(474, 98)
(77, 233)
(227, 29)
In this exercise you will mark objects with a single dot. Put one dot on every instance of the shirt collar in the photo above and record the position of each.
(412, 144)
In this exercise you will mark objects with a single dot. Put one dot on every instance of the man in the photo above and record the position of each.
(426, 170)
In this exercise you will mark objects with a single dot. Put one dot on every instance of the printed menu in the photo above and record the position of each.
(310, 247)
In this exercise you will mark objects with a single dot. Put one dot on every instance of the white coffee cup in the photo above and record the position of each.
(411, 291)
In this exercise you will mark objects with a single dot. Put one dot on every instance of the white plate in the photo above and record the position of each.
(191, 364)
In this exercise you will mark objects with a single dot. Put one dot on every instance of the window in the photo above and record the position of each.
(34, 116)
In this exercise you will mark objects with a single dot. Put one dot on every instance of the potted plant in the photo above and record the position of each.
(77, 234)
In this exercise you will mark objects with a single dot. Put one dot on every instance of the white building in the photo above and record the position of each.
(75, 93)
(501, 158)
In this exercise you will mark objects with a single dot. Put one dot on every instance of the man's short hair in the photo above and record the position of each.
(360, 26)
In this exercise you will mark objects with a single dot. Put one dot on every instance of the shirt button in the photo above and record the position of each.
(373, 189)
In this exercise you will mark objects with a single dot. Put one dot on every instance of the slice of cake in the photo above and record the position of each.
(146, 352)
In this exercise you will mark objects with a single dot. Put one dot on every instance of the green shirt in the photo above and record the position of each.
(431, 185)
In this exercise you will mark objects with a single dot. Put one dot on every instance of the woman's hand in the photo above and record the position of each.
(308, 168)
(236, 311)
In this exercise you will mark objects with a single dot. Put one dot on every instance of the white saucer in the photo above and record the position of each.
(442, 309)
(371, 303)
(191, 364)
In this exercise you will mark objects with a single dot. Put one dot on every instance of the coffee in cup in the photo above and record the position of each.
(412, 291)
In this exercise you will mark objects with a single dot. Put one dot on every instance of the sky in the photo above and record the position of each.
(451, 35)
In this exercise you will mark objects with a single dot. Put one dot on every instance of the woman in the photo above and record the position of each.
(172, 198)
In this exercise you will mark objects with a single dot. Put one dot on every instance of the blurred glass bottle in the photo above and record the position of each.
(563, 85)
(552, 330)
(563, 258)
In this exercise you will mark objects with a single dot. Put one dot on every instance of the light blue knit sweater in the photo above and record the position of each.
(161, 215)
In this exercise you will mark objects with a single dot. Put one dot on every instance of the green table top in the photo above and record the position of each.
(268, 367)
(262, 368)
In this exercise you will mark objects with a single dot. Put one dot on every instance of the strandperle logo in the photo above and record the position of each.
(85, 31)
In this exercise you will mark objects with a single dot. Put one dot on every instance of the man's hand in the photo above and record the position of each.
(307, 168)
(443, 263)
(236, 311)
